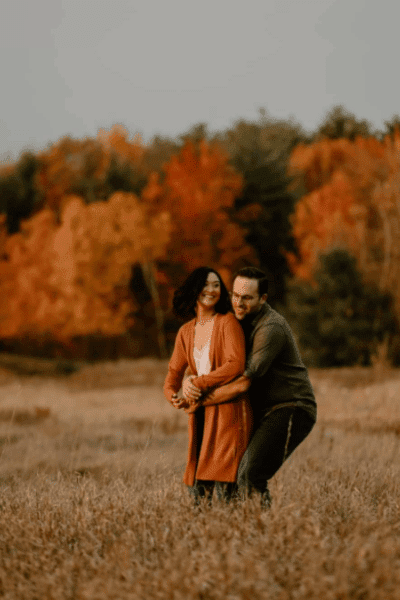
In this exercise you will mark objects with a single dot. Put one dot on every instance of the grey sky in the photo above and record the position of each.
(74, 66)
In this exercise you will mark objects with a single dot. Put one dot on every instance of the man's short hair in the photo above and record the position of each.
(254, 273)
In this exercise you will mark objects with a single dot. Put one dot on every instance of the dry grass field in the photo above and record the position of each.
(92, 505)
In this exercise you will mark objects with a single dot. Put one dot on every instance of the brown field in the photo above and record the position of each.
(92, 505)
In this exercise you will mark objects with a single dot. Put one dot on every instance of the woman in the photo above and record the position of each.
(212, 345)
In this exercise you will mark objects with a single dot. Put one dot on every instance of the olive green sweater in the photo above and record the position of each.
(274, 364)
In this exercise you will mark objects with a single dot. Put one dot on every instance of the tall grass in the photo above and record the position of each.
(97, 510)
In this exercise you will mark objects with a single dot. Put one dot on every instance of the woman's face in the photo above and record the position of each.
(211, 292)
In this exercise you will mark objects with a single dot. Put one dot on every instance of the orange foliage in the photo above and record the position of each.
(66, 164)
(117, 140)
(6, 168)
(25, 270)
(72, 278)
(70, 162)
(67, 271)
(323, 219)
(352, 200)
(198, 189)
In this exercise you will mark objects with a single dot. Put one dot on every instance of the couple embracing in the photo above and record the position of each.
(249, 398)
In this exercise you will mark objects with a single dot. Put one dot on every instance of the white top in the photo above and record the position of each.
(202, 359)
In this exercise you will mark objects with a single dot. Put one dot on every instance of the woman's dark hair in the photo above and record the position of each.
(185, 297)
(254, 273)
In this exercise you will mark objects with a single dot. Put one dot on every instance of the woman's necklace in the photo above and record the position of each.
(203, 332)
(204, 321)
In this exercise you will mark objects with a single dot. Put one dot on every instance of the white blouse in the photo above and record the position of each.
(202, 357)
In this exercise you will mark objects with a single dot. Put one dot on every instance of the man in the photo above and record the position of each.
(280, 391)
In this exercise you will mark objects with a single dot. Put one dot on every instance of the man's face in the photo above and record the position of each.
(245, 298)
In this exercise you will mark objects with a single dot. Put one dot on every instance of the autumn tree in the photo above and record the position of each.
(198, 189)
(72, 278)
(93, 168)
(79, 266)
(127, 169)
(70, 166)
(257, 143)
(352, 201)
(159, 151)
(25, 271)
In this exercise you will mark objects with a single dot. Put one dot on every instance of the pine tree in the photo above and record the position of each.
(19, 195)
(339, 320)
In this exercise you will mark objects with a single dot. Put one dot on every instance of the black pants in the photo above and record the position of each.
(273, 441)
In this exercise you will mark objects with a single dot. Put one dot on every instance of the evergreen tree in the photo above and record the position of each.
(341, 123)
(260, 152)
(122, 177)
(340, 320)
(264, 208)
(19, 196)
(391, 126)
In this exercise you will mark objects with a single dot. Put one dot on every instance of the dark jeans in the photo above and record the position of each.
(273, 441)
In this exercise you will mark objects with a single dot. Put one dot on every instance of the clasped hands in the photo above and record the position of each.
(191, 397)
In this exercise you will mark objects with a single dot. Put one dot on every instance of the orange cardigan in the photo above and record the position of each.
(227, 426)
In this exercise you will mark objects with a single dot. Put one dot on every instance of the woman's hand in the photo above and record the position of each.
(190, 392)
(179, 402)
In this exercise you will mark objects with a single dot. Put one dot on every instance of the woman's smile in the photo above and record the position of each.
(211, 292)
(208, 298)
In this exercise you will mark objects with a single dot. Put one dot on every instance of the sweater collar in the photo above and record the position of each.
(252, 321)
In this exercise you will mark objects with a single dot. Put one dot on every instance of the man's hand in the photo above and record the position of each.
(227, 392)
(190, 392)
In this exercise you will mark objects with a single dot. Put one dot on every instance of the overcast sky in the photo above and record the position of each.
(161, 66)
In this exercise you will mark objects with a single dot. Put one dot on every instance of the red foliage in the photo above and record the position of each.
(198, 190)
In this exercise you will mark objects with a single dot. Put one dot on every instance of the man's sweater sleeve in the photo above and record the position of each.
(268, 342)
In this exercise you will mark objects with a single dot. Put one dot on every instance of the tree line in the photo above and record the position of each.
(96, 233)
